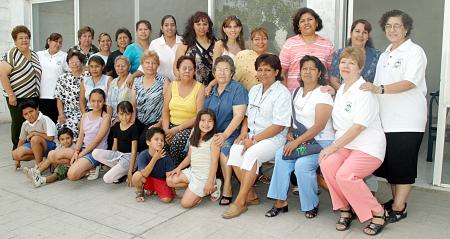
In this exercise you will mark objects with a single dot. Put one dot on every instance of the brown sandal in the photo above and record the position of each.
(140, 196)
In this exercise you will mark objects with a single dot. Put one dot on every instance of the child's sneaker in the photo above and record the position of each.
(93, 173)
(38, 180)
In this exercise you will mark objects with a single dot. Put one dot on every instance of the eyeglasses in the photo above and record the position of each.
(223, 70)
(395, 27)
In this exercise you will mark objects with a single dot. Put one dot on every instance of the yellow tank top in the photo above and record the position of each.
(183, 108)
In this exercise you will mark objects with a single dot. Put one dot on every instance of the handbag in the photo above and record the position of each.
(306, 148)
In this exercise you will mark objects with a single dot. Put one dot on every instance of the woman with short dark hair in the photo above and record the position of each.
(123, 39)
(85, 46)
(134, 51)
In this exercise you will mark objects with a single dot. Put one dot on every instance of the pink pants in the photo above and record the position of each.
(344, 172)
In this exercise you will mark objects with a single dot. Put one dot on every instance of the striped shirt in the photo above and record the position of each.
(295, 49)
(149, 101)
(201, 159)
(25, 76)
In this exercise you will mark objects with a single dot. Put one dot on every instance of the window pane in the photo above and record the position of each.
(107, 16)
(53, 17)
(181, 10)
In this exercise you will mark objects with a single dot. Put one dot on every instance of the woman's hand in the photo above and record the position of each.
(290, 147)
(208, 90)
(240, 138)
(12, 100)
(290, 136)
(209, 188)
(327, 152)
(74, 157)
(367, 86)
(328, 89)
(219, 139)
(129, 82)
(170, 133)
(174, 172)
(61, 119)
(247, 144)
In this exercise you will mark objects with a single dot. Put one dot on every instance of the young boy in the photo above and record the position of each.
(36, 135)
(153, 164)
(55, 157)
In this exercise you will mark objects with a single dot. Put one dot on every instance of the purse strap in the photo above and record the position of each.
(299, 125)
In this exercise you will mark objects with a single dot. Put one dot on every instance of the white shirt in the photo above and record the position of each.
(52, 67)
(356, 106)
(272, 107)
(305, 111)
(105, 58)
(166, 56)
(405, 111)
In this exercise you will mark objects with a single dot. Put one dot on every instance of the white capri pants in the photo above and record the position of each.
(261, 152)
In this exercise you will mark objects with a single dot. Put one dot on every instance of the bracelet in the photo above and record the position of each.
(382, 89)
(254, 140)
(335, 144)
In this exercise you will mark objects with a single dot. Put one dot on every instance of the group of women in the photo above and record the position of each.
(354, 112)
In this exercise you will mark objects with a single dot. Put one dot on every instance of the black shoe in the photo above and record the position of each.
(395, 216)
(375, 227)
(121, 180)
(388, 205)
(312, 213)
(274, 211)
(345, 221)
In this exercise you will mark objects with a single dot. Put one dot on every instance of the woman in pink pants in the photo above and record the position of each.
(358, 150)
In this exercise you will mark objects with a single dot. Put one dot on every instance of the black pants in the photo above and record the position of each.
(17, 119)
(48, 108)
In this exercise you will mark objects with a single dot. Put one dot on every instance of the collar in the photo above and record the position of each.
(160, 40)
(38, 118)
(227, 88)
(403, 47)
(354, 86)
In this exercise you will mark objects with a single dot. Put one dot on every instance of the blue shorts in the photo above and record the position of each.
(91, 159)
(225, 149)
(50, 146)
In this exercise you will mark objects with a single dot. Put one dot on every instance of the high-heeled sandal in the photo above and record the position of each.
(375, 227)
(345, 221)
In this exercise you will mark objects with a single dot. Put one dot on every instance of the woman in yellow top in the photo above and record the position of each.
(181, 104)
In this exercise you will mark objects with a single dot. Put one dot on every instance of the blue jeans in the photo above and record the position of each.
(305, 170)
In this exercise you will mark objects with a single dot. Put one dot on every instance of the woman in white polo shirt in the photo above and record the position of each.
(400, 83)
(358, 150)
(53, 62)
(263, 132)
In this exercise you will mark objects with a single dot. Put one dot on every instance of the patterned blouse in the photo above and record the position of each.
(117, 94)
(245, 68)
(25, 76)
(149, 102)
(92, 51)
(370, 67)
(203, 61)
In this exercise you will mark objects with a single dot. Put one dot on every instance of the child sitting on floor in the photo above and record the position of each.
(36, 135)
(55, 157)
(153, 164)
(199, 178)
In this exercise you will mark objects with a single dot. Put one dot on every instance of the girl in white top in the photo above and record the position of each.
(53, 63)
(94, 81)
(199, 178)
(358, 150)
(104, 42)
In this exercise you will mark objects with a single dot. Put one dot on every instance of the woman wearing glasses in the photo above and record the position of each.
(401, 88)
(264, 131)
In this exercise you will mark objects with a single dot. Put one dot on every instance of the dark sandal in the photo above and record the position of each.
(274, 211)
(312, 213)
(395, 216)
(388, 205)
(227, 202)
(345, 221)
(375, 227)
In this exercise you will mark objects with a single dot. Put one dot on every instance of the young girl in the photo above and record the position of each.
(153, 165)
(199, 178)
(94, 129)
(122, 157)
(65, 138)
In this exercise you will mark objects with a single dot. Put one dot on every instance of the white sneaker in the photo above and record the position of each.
(36, 177)
(93, 173)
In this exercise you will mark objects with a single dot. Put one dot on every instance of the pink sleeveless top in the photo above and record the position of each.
(91, 128)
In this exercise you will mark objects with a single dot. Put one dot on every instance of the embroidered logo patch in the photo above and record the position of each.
(398, 62)
(348, 106)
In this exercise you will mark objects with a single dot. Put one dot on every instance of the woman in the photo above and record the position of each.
(20, 74)
(232, 41)
(306, 23)
(229, 101)
(312, 109)
(400, 83)
(148, 91)
(245, 60)
(198, 43)
(96, 79)
(358, 150)
(53, 62)
(268, 115)
(104, 42)
(359, 37)
(85, 46)
(183, 99)
(123, 39)
(118, 90)
(134, 51)
(68, 93)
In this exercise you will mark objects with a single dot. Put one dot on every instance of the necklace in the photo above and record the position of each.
(306, 101)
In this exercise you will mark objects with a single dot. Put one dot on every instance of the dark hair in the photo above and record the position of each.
(162, 24)
(96, 59)
(28, 103)
(152, 131)
(183, 58)
(240, 39)
(407, 21)
(298, 15)
(85, 29)
(319, 65)
(189, 32)
(271, 60)
(125, 106)
(102, 93)
(226, 59)
(367, 27)
(65, 130)
(20, 29)
(147, 23)
(196, 133)
(76, 53)
(53, 37)
(123, 30)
